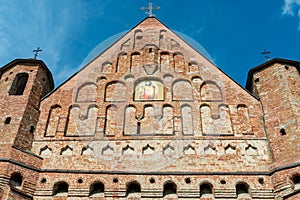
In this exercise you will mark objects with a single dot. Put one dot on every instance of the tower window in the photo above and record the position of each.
(282, 131)
(19, 84)
(7, 120)
(16, 179)
(31, 129)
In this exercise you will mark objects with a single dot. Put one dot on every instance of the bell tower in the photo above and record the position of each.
(23, 83)
(276, 83)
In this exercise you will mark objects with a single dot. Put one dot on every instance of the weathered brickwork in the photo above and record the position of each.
(150, 118)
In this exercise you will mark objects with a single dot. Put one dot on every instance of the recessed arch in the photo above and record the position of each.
(206, 190)
(210, 91)
(242, 189)
(86, 92)
(170, 188)
(148, 89)
(133, 187)
(96, 189)
(182, 90)
(60, 188)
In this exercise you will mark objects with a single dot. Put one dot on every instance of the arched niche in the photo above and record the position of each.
(107, 67)
(216, 125)
(187, 119)
(135, 61)
(122, 62)
(138, 38)
(53, 121)
(115, 91)
(244, 119)
(210, 91)
(179, 62)
(182, 90)
(148, 124)
(130, 122)
(110, 120)
(148, 90)
(87, 93)
(193, 67)
(81, 125)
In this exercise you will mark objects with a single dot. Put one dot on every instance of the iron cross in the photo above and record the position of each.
(266, 53)
(150, 8)
(36, 52)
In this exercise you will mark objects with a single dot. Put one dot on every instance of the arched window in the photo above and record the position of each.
(60, 189)
(206, 190)
(19, 84)
(170, 188)
(242, 189)
(96, 189)
(16, 179)
(132, 188)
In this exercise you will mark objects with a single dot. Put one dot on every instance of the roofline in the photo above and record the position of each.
(31, 62)
(83, 67)
(267, 64)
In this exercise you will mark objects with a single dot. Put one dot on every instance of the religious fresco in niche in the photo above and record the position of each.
(148, 90)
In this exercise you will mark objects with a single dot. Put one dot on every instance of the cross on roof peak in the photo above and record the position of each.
(150, 8)
(36, 52)
(267, 54)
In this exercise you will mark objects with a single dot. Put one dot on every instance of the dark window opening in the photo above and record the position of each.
(31, 129)
(223, 182)
(282, 131)
(80, 181)
(43, 180)
(96, 188)
(16, 179)
(19, 84)
(286, 67)
(138, 131)
(256, 80)
(152, 180)
(205, 189)
(261, 181)
(241, 188)
(170, 188)
(296, 179)
(187, 180)
(60, 188)
(7, 120)
(133, 187)
(115, 180)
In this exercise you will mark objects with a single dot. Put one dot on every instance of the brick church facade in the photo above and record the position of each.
(150, 118)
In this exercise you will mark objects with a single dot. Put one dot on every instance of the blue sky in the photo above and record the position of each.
(234, 32)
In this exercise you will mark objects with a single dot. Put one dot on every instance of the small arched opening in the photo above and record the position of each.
(60, 189)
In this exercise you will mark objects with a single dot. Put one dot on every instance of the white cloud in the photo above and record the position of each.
(292, 8)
